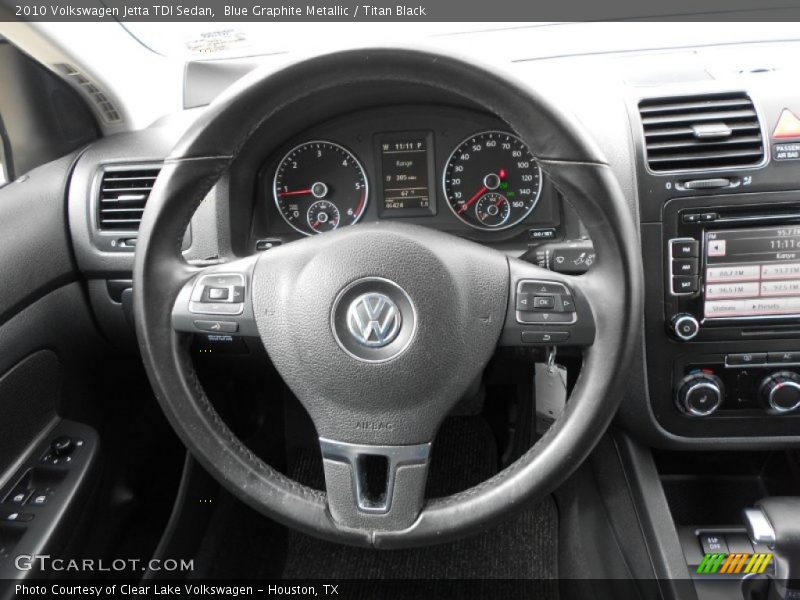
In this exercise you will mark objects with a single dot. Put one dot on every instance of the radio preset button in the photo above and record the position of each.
(684, 266)
(719, 291)
(781, 271)
(734, 273)
(685, 248)
(684, 285)
(746, 360)
(781, 288)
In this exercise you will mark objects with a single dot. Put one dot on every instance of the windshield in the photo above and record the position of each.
(230, 40)
(197, 41)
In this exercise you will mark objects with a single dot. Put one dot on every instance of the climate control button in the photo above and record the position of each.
(780, 392)
(700, 394)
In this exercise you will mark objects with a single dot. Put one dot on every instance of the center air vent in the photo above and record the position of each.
(123, 192)
(695, 133)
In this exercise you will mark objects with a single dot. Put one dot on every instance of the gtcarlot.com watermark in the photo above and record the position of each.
(49, 564)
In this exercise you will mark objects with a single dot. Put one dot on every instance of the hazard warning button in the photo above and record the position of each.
(788, 126)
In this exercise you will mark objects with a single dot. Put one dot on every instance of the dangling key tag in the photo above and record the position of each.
(551, 391)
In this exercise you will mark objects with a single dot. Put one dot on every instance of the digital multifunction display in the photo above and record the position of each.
(405, 173)
(752, 272)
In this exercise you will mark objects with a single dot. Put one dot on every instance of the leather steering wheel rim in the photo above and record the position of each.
(568, 157)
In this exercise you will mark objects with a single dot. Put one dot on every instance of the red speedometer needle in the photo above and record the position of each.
(469, 202)
(296, 193)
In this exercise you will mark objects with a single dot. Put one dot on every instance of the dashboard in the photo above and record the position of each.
(445, 167)
(719, 362)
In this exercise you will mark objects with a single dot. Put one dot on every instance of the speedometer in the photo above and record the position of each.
(320, 186)
(492, 181)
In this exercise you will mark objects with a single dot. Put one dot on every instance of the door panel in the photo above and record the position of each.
(48, 339)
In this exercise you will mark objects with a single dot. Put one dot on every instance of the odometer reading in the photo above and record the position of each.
(320, 186)
(492, 181)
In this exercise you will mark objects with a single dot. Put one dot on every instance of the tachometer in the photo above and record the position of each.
(320, 186)
(492, 181)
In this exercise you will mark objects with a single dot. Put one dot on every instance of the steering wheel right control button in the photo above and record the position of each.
(544, 337)
(543, 302)
(780, 392)
(700, 394)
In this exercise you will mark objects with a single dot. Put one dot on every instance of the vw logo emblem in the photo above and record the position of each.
(373, 319)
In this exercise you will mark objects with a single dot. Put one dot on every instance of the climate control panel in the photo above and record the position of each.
(753, 384)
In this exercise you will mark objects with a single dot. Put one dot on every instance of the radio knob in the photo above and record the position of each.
(780, 392)
(684, 326)
(700, 394)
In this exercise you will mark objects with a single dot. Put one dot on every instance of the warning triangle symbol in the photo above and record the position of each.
(788, 126)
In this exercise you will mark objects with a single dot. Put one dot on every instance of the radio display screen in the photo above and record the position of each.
(752, 272)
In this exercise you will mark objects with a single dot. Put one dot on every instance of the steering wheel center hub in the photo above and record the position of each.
(373, 319)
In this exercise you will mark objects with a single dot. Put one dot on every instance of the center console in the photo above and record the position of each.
(720, 226)
(731, 315)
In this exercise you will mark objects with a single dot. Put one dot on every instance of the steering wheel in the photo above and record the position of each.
(394, 321)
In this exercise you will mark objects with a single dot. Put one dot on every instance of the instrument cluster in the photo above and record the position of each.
(444, 167)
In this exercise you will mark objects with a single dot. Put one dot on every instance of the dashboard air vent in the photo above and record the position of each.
(122, 195)
(695, 133)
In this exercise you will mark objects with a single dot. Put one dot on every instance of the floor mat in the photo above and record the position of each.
(464, 454)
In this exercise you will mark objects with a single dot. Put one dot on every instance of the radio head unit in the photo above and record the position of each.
(751, 272)
(733, 269)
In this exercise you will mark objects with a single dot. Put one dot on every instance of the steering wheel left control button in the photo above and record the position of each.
(217, 326)
(218, 294)
(217, 302)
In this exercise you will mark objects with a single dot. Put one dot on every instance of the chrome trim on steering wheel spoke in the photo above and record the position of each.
(353, 455)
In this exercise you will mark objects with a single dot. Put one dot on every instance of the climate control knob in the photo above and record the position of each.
(700, 394)
(780, 392)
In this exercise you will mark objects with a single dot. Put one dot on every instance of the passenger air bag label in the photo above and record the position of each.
(786, 151)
